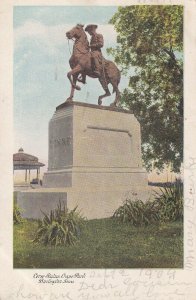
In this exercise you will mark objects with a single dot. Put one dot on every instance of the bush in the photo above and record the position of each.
(137, 213)
(17, 218)
(60, 227)
(169, 201)
(166, 207)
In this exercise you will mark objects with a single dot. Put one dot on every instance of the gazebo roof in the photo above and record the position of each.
(23, 160)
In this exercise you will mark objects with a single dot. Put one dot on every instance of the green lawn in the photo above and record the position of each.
(104, 244)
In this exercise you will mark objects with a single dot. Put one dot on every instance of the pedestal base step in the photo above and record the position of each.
(92, 203)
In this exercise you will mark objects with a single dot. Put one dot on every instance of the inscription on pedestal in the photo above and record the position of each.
(60, 142)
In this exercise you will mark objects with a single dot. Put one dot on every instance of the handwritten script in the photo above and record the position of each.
(112, 284)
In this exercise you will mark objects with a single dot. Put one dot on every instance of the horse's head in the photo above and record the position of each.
(75, 32)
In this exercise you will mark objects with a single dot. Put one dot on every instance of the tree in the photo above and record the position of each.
(150, 39)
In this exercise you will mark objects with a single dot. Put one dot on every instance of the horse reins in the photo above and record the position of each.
(76, 48)
(69, 46)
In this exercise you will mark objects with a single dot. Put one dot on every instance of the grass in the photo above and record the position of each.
(104, 244)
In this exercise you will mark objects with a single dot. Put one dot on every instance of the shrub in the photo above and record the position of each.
(60, 227)
(169, 201)
(17, 218)
(137, 213)
(167, 206)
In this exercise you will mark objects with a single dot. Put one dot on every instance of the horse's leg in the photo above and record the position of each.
(117, 98)
(71, 73)
(70, 98)
(82, 78)
(105, 87)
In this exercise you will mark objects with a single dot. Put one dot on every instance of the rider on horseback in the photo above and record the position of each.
(96, 44)
(81, 62)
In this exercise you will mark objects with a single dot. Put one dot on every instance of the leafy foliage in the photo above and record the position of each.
(17, 218)
(137, 213)
(170, 202)
(166, 207)
(149, 50)
(60, 227)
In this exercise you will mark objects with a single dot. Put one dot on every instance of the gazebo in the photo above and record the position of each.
(27, 162)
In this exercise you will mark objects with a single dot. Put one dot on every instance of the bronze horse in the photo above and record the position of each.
(81, 65)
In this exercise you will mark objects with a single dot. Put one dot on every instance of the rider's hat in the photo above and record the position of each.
(90, 26)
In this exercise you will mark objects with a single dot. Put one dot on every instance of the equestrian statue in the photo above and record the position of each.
(87, 60)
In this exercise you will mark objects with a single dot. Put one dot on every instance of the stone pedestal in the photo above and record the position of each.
(94, 158)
